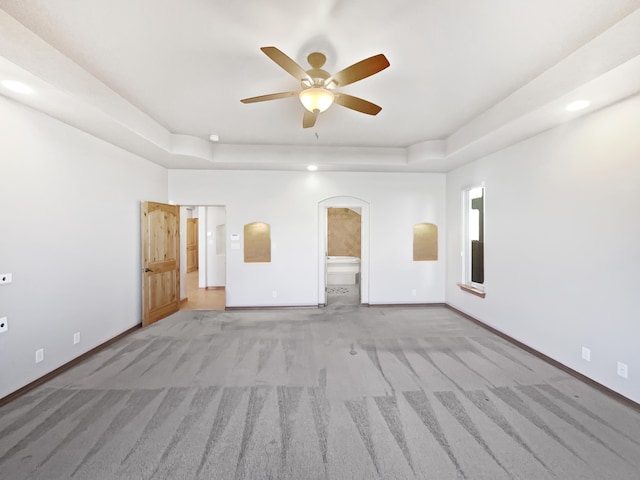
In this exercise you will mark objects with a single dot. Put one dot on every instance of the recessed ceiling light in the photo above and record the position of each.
(213, 137)
(312, 168)
(16, 86)
(578, 105)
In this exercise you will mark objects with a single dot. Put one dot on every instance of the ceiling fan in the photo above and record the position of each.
(317, 93)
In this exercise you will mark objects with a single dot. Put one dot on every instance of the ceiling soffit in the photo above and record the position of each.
(605, 70)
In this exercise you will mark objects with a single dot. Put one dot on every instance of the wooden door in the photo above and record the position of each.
(160, 261)
(192, 245)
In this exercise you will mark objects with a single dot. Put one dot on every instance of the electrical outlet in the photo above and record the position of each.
(4, 324)
(39, 355)
(274, 294)
(6, 278)
(623, 370)
(586, 354)
(76, 338)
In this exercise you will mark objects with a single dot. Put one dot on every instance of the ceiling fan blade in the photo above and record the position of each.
(357, 104)
(360, 70)
(286, 63)
(309, 119)
(271, 96)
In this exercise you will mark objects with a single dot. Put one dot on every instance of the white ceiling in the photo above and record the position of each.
(467, 77)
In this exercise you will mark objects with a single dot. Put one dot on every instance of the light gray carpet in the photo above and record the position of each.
(334, 393)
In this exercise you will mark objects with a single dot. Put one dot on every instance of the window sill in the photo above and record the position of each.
(472, 290)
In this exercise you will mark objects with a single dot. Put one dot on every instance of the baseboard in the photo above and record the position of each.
(403, 305)
(604, 389)
(214, 288)
(322, 305)
(271, 307)
(65, 367)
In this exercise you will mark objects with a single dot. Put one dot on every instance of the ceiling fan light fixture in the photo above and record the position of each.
(316, 99)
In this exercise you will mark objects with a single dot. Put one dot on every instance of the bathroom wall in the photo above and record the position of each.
(343, 232)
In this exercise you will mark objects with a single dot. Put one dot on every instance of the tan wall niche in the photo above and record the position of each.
(343, 232)
(257, 242)
(425, 242)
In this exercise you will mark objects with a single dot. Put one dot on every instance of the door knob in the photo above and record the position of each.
(147, 270)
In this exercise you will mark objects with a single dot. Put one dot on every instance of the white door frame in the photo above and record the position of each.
(343, 202)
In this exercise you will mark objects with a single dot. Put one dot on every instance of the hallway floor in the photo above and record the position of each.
(202, 298)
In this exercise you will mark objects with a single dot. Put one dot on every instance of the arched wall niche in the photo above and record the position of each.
(425, 242)
(257, 242)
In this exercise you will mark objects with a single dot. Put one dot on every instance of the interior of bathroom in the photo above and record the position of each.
(343, 258)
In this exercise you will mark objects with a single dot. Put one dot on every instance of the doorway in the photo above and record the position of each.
(192, 245)
(344, 244)
(203, 257)
(343, 280)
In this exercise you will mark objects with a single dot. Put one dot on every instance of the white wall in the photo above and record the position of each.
(216, 264)
(562, 250)
(70, 234)
(288, 201)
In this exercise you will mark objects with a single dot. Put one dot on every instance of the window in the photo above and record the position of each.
(473, 240)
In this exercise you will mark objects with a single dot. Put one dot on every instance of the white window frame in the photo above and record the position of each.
(466, 240)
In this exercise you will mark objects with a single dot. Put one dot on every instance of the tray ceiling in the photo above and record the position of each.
(466, 78)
